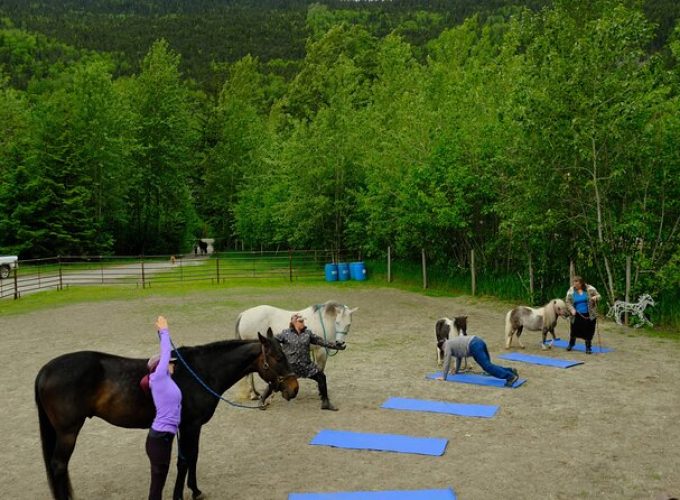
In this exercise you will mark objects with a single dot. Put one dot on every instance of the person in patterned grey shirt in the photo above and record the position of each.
(295, 342)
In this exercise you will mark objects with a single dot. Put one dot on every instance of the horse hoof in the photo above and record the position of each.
(200, 496)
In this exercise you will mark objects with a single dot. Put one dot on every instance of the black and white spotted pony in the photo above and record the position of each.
(443, 329)
(621, 307)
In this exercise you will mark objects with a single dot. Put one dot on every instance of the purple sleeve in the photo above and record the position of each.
(166, 349)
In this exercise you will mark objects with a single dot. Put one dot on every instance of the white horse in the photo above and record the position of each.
(621, 307)
(330, 320)
(534, 319)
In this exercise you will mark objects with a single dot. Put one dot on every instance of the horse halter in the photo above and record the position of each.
(340, 332)
(275, 385)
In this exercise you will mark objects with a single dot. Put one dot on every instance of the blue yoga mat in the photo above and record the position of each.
(445, 494)
(540, 360)
(381, 442)
(464, 410)
(473, 378)
(581, 347)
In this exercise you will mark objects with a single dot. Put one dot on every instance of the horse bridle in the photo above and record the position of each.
(279, 378)
(323, 327)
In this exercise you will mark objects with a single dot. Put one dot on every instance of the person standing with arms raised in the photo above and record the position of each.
(167, 398)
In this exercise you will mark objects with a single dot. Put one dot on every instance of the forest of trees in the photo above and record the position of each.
(535, 136)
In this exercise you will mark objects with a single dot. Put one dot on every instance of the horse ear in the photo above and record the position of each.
(270, 334)
(353, 310)
(263, 340)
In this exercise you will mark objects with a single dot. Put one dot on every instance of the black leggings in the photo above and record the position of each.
(159, 450)
(320, 379)
(583, 328)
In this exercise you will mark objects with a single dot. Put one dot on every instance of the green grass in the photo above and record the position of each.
(247, 272)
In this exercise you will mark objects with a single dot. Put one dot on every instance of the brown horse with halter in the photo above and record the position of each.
(79, 385)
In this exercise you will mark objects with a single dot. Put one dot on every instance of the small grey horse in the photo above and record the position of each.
(534, 319)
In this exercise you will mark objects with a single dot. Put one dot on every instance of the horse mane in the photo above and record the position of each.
(327, 304)
(230, 344)
(549, 313)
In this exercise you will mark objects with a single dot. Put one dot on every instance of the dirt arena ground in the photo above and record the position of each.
(608, 429)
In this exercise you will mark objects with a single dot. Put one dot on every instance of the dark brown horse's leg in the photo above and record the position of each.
(63, 449)
(186, 462)
(193, 461)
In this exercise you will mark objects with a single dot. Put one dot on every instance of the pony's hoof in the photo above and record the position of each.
(521, 347)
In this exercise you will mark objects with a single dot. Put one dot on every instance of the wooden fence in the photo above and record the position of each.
(58, 273)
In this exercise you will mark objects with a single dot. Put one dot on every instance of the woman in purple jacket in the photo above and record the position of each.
(167, 398)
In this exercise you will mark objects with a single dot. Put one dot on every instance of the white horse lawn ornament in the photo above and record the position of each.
(330, 320)
(542, 318)
(620, 308)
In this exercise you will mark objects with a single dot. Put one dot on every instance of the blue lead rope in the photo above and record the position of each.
(205, 386)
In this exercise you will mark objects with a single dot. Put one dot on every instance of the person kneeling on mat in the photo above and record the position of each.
(295, 341)
(460, 347)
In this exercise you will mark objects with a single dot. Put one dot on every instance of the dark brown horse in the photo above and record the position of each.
(84, 384)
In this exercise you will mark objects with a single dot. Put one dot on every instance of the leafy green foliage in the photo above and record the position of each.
(534, 138)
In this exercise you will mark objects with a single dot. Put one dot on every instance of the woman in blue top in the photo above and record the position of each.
(167, 399)
(582, 302)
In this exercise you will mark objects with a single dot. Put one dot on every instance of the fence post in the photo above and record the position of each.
(290, 265)
(572, 271)
(16, 285)
(389, 264)
(217, 264)
(531, 279)
(628, 264)
(424, 268)
(101, 265)
(141, 258)
(61, 274)
(473, 271)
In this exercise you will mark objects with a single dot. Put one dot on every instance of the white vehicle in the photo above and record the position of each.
(7, 263)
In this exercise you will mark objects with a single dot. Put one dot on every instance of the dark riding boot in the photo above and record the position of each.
(589, 346)
(323, 392)
(572, 342)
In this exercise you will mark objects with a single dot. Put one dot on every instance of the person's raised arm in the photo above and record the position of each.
(446, 365)
(166, 346)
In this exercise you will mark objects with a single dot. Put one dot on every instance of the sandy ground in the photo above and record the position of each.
(605, 429)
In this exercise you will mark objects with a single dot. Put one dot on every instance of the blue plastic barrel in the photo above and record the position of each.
(357, 271)
(331, 271)
(343, 271)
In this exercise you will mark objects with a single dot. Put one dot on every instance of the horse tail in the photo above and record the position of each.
(48, 438)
